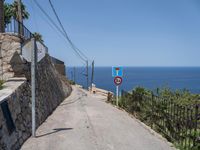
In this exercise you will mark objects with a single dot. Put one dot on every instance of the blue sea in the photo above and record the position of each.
(148, 77)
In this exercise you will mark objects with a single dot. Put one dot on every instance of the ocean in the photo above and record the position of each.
(148, 77)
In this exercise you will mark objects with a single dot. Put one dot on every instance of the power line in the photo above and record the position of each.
(64, 31)
(66, 35)
(69, 40)
(79, 53)
(45, 18)
(51, 20)
(35, 20)
(56, 26)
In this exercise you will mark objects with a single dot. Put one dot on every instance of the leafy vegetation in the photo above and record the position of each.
(174, 114)
(7, 13)
(71, 82)
(38, 37)
(181, 97)
(10, 10)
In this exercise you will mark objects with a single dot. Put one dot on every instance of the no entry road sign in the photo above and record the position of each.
(118, 80)
(117, 71)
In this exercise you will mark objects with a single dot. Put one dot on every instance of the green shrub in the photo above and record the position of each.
(141, 91)
(72, 82)
(180, 97)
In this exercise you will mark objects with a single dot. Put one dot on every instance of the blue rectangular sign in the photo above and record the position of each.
(117, 71)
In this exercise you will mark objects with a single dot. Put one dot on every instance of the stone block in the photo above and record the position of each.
(18, 64)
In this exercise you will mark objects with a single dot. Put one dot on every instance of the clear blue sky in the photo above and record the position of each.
(123, 32)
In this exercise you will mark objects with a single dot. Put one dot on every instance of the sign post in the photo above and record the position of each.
(117, 95)
(117, 73)
(117, 81)
(33, 51)
(33, 68)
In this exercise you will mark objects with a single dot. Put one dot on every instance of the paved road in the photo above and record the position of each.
(86, 122)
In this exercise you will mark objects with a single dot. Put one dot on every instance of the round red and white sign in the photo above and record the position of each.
(118, 80)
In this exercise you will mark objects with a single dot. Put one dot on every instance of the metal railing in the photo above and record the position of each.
(179, 124)
(19, 29)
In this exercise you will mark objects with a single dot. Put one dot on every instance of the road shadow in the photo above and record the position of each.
(54, 131)
(74, 101)
(70, 102)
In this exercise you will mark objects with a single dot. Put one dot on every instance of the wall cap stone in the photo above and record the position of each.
(9, 87)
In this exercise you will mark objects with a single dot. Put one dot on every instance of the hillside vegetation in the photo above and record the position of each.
(174, 114)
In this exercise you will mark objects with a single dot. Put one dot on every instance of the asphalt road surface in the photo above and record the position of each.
(86, 122)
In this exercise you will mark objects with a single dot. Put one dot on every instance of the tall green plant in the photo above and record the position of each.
(7, 13)
(14, 8)
(38, 37)
(11, 10)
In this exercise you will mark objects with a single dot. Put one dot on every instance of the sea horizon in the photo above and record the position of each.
(139, 66)
(175, 78)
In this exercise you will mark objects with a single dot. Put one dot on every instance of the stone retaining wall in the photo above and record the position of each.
(9, 43)
(51, 90)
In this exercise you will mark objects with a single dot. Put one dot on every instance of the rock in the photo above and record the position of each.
(15, 38)
(10, 44)
(5, 46)
(18, 64)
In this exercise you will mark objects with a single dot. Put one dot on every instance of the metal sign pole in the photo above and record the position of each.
(33, 51)
(117, 94)
(117, 73)
(33, 69)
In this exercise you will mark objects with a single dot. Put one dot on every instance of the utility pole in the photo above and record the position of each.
(75, 74)
(2, 29)
(92, 77)
(72, 75)
(87, 79)
(19, 18)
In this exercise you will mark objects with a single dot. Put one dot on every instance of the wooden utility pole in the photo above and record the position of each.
(72, 75)
(92, 77)
(19, 18)
(2, 29)
(87, 72)
(75, 74)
